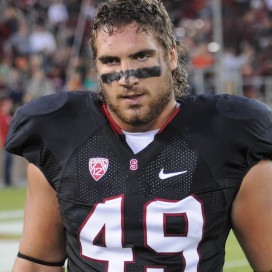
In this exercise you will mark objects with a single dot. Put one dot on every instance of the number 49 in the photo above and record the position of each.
(106, 219)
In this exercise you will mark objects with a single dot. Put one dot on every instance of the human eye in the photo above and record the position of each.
(112, 61)
(142, 57)
(109, 60)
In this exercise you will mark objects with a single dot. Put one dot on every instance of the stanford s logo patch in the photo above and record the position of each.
(98, 167)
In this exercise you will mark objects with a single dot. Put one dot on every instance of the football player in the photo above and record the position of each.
(140, 177)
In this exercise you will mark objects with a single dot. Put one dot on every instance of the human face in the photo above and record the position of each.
(135, 78)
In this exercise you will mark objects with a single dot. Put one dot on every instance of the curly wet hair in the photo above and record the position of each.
(150, 15)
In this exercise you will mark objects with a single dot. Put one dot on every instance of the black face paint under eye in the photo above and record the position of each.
(154, 71)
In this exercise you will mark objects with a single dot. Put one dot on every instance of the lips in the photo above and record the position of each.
(133, 99)
(132, 96)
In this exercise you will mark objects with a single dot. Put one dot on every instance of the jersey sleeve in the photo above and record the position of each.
(255, 122)
(231, 133)
(30, 129)
(46, 131)
(31, 124)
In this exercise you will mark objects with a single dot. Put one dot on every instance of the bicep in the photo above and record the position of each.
(43, 234)
(252, 216)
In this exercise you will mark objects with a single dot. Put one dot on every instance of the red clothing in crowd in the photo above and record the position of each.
(4, 126)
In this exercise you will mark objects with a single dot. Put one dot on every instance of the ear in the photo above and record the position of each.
(173, 59)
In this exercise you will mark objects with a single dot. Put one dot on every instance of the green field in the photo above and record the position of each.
(235, 258)
(13, 199)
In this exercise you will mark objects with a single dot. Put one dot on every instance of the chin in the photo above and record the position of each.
(137, 119)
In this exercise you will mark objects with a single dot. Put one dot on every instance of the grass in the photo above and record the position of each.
(235, 257)
(14, 198)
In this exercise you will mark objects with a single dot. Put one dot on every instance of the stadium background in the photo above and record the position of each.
(44, 49)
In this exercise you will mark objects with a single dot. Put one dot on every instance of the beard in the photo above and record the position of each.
(141, 114)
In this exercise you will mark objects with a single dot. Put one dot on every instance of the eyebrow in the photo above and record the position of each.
(104, 59)
(141, 52)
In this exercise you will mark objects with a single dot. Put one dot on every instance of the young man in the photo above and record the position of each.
(137, 179)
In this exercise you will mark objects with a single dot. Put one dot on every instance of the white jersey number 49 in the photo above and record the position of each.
(106, 219)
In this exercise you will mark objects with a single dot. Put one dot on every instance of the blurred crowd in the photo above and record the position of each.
(44, 44)
(39, 44)
(247, 43)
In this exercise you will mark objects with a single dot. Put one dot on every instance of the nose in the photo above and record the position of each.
(127, 75)
(128, 78)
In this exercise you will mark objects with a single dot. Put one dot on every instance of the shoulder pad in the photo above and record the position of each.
(241, 108)
(53, 122)
(226, 128)
(44, 105)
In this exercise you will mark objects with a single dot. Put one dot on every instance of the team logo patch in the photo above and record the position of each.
(98, 167)
(133, 164)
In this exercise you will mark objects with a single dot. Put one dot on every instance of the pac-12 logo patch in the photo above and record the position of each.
(98, 167)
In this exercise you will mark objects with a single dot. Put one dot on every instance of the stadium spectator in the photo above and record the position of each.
(39, 85)
(19, 42)
(15, 86)
(90, 9)
(75, 82)
(57, 13)
(41, 40)
(6, 108)
(269, 7)
(5, 72)
(11, 20)
(232, 66)
(202, 58)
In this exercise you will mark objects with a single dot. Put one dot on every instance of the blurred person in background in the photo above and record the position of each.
(74, 82)
(19, 42)
(38, 85)
(232, 66)
(6, 109)
(15, 87)
(41, 40)
(57, 13)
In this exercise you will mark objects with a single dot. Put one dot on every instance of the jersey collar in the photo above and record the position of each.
(118, 131)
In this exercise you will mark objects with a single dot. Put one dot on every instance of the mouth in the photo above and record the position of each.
(132, 99)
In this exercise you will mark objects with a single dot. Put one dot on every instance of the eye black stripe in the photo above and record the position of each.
(154, 71)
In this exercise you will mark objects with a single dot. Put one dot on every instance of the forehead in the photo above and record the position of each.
(126, 40)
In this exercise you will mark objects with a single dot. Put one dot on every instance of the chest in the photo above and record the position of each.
(165, 171)
(163, 200)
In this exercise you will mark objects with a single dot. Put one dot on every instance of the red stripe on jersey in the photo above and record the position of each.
(118, 131)
(169, 120)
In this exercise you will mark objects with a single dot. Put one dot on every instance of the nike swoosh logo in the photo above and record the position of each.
(163, 175)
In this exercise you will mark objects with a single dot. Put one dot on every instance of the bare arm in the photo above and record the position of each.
(252, 216)
(43, 235)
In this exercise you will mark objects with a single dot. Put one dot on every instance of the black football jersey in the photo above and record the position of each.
(164, 209)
